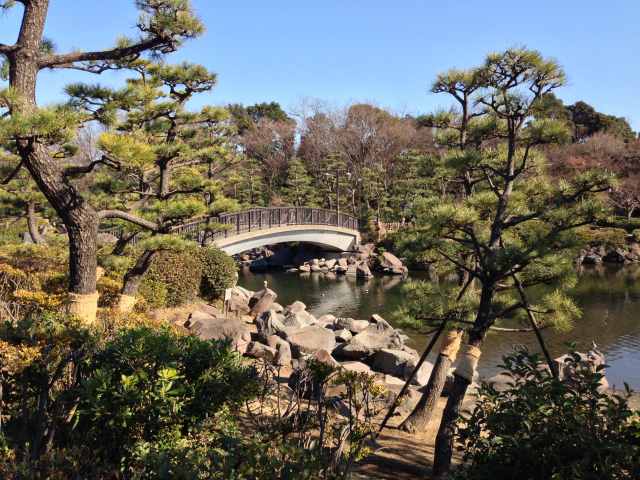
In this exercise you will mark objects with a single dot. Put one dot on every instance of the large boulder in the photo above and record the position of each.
(261, 351)
(299, 319)
(389, 263)
(326, 321)
(593, 360)
(283, 350)
(354, 326)
(363, 270)
(343, 335)
(358, 367)
(391, 361)
(322, 356)
(268, 324)
(309, 340)
(369, 341)
(262, 301)
(209, 327)
(296, 307)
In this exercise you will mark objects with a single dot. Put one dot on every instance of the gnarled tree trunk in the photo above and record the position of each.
(79, 217)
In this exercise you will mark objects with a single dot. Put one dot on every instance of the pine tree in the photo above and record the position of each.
(299, 190)
(165, 161)
(32, 132)
(515, 228)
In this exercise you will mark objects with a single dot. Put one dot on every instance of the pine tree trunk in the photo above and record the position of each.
(133, 279)
(446, 432)
(79, 218)
(419, 419)
(32, 224)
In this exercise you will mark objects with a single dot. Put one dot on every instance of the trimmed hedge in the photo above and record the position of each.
(219, 272)
(173, 279)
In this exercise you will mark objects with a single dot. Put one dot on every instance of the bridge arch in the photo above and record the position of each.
(258, 227)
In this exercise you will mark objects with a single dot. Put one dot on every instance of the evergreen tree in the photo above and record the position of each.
(516, 228)
(32, 133)
(299, 190)
(167, 159)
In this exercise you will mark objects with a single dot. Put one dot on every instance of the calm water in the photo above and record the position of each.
(609, 298)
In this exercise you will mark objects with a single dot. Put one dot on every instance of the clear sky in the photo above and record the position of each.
(386, 52)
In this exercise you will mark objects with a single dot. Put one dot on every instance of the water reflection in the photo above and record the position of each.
(609, 298)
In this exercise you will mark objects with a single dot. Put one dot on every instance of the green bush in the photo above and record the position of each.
(219, 272)
(173, 279)
(147, 384)
(542, 428)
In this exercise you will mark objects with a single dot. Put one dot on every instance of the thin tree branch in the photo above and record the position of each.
(13, 173)
(129, 218)
(5, 49)
(105, 160)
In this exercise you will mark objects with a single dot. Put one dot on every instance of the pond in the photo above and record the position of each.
(608, 297)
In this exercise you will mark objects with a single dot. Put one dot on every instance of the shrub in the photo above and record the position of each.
(219, 272)
(173, 279)
(542, 428)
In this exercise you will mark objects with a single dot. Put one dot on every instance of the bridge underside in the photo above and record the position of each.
(329, 237)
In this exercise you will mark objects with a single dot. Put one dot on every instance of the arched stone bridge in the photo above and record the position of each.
(258, 227)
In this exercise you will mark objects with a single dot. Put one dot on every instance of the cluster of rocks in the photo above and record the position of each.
(360, 264)
(290, 336)
(599, 254)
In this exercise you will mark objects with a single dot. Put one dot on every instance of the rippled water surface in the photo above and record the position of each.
(609, 298)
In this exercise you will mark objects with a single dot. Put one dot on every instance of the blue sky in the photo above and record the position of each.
(386, 52)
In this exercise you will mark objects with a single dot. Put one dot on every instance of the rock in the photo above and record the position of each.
(381, 322)
(316, 268)
(330, 263)
(501, 382)
(265, 352)
(358, 367)
(366, 250)
(368, 342)
(296, 307)
(304, 268)
(283, 350)
(352, 270)
(299, 319)
(422, 375)
(593, 360)
(326, 321)
(269, 324)
(276, 307)
(614, 256)
(343, 263)
(343, 335)
(392, 381)
(264, 302)
(310, 340)
(325, 357)
(363, 270)
(591, 259)
(354, 326)
(208, 327)
(392, 362)
(389, 263)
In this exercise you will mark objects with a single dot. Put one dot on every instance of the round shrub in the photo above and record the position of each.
(218, 273)
(173, 279)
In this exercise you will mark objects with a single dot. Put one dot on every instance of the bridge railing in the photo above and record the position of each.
(231, 224)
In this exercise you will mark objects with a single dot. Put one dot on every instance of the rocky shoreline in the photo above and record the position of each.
(289, 337)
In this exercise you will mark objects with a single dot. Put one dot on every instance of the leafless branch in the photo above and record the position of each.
(105, 160)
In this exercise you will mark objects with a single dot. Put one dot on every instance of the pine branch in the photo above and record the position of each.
(129, 218)
(105, 160)
(13, 174)
(5, 49)
(69, 60)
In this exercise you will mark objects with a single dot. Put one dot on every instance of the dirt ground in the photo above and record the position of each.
(402, 456)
